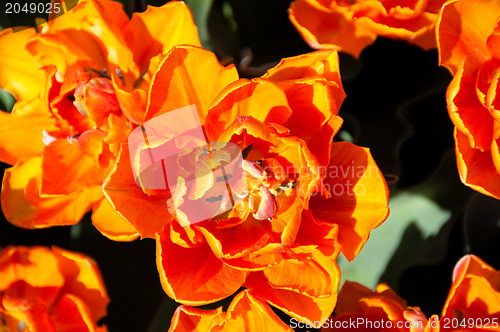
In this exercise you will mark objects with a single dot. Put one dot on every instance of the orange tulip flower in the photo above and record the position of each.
(360, 308)
(43, 290)
(473, 304)
(468, 44)
(245, 313)
(350, 26)
(81, 86)
(283, 123)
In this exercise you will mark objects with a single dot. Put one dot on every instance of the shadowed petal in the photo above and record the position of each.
(111, 224)
(359, 196)
(462, 30)
(476, 167)
(20, 74)
(194, 276)
(130, 200)
(148, 35)
(330, 28)
(186, 76)
(21, 132)
(23, 206)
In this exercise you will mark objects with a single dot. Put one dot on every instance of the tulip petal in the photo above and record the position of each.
(35, 269)
(300, 306)
(63, 49)
(475, 291)
(249, 246)
(399, 22)
(188, 75)
(71, 314)
(320, 275)
(23, 206)
(359, 200)
(34, 313)
(82, 276)
(66, 169)
(330, 27)
(132, 103)
(247, 313)
(315, 102)
(192, 319)
(317, 278)
(319, 64)
(21, 132)
(194, 276)
(20, 74)
(476, 167)
(111, 224)
(148, 35)
(257, 98)
(46, 290)
(112, 20)
(130, 200)
(465, 109)
(352, 292)
(462, 30)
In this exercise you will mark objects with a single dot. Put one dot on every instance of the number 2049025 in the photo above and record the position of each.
(38, 8)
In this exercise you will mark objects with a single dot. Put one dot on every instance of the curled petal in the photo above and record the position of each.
(64, 48)
(247, 313)
(72, 314)
(475, 291)
(47, 290)
(462, 30)
(21, 132)
(130, 200)
(192, 319)
(111, 224)
(112, 21)
(188, 76)
(359, 196)
(20, 74)
(332, 27)
(466, 110)
(66, 169)
(23, 206)
(148, 35)
(300, 306)
(476, 168)
(319, 64)
(83, 278)
(258, 98)
(412, 24)
(250, 246)
(194, 276)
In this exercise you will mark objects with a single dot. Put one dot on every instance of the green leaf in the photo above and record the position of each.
(408, 209)
(200, 10)
(6, 101)
(416, 231)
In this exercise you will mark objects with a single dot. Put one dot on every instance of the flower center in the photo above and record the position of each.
(96, 99)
